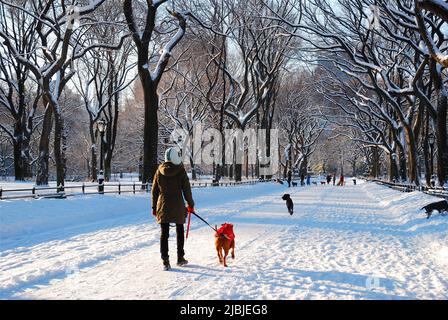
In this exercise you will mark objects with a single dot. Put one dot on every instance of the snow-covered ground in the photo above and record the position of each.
(353, 242)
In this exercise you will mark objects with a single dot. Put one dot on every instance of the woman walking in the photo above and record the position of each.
(169, 189)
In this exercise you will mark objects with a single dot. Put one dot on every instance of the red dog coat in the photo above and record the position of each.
(226, 230)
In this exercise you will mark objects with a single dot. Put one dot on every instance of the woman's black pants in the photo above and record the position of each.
(164, 240)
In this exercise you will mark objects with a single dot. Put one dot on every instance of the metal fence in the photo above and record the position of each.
(116, 188)
(403, 187)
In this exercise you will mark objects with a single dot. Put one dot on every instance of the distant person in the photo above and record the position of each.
(169, 189)
(341, 180)
(308, 180)
(354, 181)
(302, 179)
(328, 179)
(334, 178)
(289, 178)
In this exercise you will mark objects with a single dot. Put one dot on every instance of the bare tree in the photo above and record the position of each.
(101, 77)
(19, 95)
(143, 35)
(249, 54)
(60, 43)
(386, 59)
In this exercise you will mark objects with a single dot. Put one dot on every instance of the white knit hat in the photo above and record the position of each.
(173, 155)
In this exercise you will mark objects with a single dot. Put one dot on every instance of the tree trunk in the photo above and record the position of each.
(27, 171)
(412, 156)
(21, 139)
(402, 162)
(107, 167)
(442, 140)
(237, 165)
(441, 122)
(193, 170)
(220, 168)
(89, 171)
(354, 168)
(107, 153)
(151, 127)
(58, 148)
(93, 174)
(268, 149)
(44, 145)
(403, 167)
(375, 162)
(257, 167)
(22, 168)
(393, 168)
(285, 170)
(426, 150)
(246, 157)
(238, 171)
(304, 166)
(19, 173)
(289, 162)
(111, 132)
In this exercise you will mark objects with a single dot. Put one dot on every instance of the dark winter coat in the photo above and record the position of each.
(169, 189)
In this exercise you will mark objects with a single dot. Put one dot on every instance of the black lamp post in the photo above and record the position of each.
(101, 125)
(431, 140)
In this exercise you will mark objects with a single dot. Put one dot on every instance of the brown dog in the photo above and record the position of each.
(224, 241)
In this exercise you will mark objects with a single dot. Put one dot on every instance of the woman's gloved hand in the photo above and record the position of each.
(154, 213)
(190, 209)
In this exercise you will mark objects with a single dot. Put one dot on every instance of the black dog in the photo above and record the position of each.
(294, 184)
(439, 206)
(289, 203)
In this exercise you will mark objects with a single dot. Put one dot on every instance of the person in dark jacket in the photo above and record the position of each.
(334, 178)
(302, 179)
(289, 178)
(169, 189)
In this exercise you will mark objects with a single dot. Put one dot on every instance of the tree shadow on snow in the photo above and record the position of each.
(331, 283)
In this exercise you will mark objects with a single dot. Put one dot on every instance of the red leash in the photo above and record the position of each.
(188, 225)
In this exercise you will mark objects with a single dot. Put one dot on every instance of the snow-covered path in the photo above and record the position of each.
(355, 242)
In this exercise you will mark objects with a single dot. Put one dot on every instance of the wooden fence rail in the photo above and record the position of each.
(117, 188)
(434, 191)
